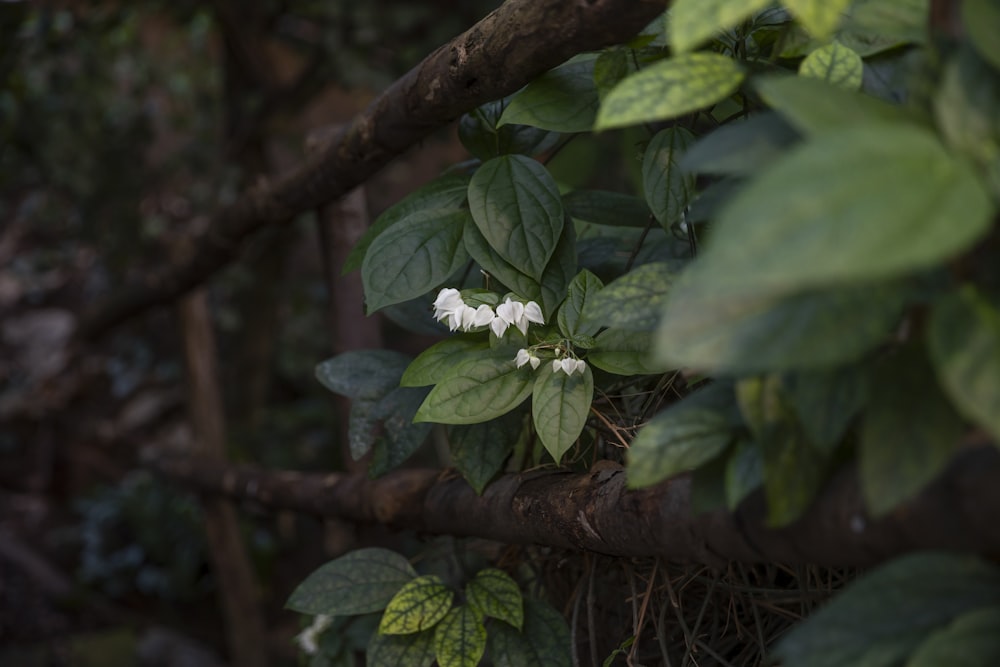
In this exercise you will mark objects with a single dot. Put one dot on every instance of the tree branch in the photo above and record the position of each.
(494, 58)
(596, 512)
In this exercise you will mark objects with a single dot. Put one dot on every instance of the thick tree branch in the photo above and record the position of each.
(596, 512)
(494, 58)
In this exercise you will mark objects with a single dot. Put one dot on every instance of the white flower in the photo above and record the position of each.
(447, 302)
(526, 357)
(517, 314)
(568, 365)
(498, 326)
(483, 315)
(308, 638)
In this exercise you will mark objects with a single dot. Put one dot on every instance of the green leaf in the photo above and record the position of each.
(612, 66)
(971, 640)
(559, 272)
(478, 390)
(909, 432)
(580, 294)
(563, 99)
(835, 63)
(741, 147)
(624, 353)
(434, 363)
(493, 593)
(708, 485)
(606, 208)
(480, 133)
(695, 21)
(460, 638)
(719, 331)
(814, 106)
(689, 433)
(903, 20)
(545, 641)
(445, 193)
(668, 188)
(361, 374)
(413, 650)
(395, 412)
(358, 582)
(669, 89)
(744, 473)
(820, 17)
(964, 341)
(981, 20)
(478, 451)
(560, 404)
(633, 302)
(867, 192)
(880, 618)
(413, 256)
(517, 207)
(827, 402)
(418, 605)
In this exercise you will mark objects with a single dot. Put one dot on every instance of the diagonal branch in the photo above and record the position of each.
(494, 58)
(596, 512)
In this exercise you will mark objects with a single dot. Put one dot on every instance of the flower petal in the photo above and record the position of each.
(510, 311)
(522, 357)
(556, 365)
(534, 361)
(534, 313)
(484, 315)
(499, 326)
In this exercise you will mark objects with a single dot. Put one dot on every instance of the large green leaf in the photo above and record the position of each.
(413, 650)
(827, 402)
(560, 404)
(580, 294)
(516, 205)
(478, 451)
(964, 339)
(836, 64)
(720, 331)
(460, 638)
(478, 390)
(820, 17)
(401, 437)
(413, 256)
(971, 640)
(607, 208)
(358, 582)
(694, 21)
(879, 619)
(634, 301)
(417, 606)
(741, 147)
(563, 99)
(493, 593)
(668, 188)
(981, 20)
(854, 206)
(909, 433)
(625, 353)
(544, 642)
(434, 363)
(669, 89)
(445, 193)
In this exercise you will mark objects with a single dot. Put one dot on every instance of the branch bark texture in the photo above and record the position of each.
(494, 58)
(596, 512)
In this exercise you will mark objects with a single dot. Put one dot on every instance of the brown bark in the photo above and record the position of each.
(494, 58)
(596, 512)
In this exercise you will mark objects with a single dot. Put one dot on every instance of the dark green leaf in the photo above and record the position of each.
(612, 66)
(580, 294)
(413, 650)
(741, 147)
(695, 21)
(413, 256)
(560, 405)
(668, 188)
(981, 20)
(493, 593)
(545, 641)
(362, 373)
(635, 301)
(435, 362)
(971, 640)
(418, 605)
(563, 99)
(669, 89)
(517, 207)
(708, 485)
(625, 353)
(836, 64)
(396, 411)
(479, 389)
(879, 619)
(607, 208)
(479, 133)
(478, 451)
(359, 582)
(744, 473)
(909, 432)
(460, 638)
(827, 402)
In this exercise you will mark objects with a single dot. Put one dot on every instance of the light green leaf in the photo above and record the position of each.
(981, 20)
(560, 404)
(545, 641)
(493, 593)
(820, 17)
(880, 618)
(478, 451)
(835, 63)
(695, 21)
(460, 638)
(889, 200)
(418, 605)
(625, 353)
(744, 473)
(413, 650)
(903, 20)
(580, 294)
(445, 193)
(964, 341)
(668, 188)
(720, 331)
(358, 582)
(971, 640)
(434, 363)
(563, 99)
(413, 256)
(909, 432)
(633, 302)
(517, 207)
(740, 147)
(478, 389)
(607, 208)
(669, 89)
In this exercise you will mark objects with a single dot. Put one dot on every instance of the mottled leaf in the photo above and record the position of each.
(418, 605)
(836, 64)
(358, 582)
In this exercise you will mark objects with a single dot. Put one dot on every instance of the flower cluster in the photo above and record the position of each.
(450, 307)
(567, 365)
